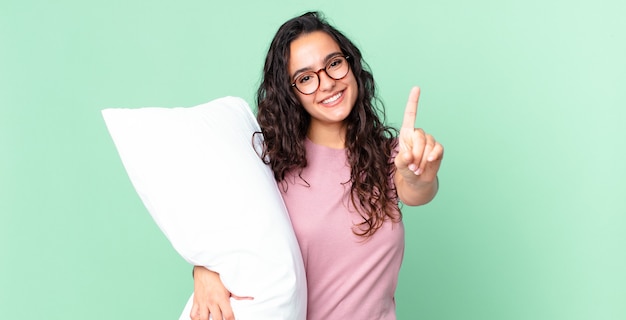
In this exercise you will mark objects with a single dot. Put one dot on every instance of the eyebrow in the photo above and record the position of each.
(328, 57)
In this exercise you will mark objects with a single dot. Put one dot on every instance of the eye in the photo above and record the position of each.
(335, 63)
(305, 78)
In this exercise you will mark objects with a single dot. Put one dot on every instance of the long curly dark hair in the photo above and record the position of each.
(369, 143)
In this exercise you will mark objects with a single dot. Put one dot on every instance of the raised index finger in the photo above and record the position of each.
(410, 113)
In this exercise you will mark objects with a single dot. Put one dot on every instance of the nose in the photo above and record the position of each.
(326, 82)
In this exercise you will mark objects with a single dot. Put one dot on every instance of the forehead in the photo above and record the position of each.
(310, 50)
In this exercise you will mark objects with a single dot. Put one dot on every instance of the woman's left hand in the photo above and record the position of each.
(420, 155)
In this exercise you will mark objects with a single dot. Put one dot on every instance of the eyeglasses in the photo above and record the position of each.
(337, 68)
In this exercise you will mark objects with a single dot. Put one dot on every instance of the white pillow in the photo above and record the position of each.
(199, 176)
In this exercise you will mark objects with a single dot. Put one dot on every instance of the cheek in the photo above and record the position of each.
(355, 86)
(303, 99)
(352, 81)
(306, 102)
(300, 98)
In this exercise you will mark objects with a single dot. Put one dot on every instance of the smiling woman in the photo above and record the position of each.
(341, 172)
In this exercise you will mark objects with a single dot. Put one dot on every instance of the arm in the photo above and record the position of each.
(418, 160)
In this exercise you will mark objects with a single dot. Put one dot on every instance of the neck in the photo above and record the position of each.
(330, 136)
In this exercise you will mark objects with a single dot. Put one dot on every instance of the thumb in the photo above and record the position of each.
(403, 159)
(241, 297)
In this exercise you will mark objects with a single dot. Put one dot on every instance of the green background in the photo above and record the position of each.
(528, 98)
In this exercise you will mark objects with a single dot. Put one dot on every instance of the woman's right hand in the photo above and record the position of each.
(210, 297)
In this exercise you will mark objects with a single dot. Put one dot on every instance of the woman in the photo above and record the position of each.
(341, 171)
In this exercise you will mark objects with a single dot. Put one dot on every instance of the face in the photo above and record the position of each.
(331, 103)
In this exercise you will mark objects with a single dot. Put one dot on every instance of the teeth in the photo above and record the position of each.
(333, 98)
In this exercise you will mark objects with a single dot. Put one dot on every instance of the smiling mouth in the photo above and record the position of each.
(333, 98)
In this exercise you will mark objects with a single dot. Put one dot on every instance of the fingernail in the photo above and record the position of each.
(412, 167)
(418, 171)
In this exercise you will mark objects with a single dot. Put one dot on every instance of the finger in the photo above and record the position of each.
(227, 312)
(198, 317)
(428, 148)
(431, 170)
(199, 313)
(436, 154)
(419, 142)
(215, 313)
(401, 160)
(193, 315)
(410, 112)
(240, 297)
